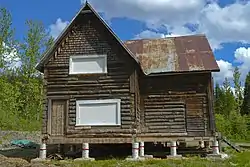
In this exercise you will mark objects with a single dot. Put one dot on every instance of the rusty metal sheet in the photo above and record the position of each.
(174, 54)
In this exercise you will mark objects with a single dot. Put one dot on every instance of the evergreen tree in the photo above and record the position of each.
(228, 99)
(238, 92)
(245, 109)
(218, 105)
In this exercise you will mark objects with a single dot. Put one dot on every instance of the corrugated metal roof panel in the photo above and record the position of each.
(174, 54)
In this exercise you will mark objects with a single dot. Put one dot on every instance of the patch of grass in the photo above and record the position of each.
(237, 159)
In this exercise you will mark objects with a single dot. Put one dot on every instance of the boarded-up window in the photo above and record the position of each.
(88, 64)
(98, 112)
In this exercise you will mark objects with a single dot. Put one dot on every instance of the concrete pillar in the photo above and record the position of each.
(135, 150)
(43, 151)
(85, 150)
(216, 152)
(173, 148)
(216, 147)
(141, 149)
(85, 153)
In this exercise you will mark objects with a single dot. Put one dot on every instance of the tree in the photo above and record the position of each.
(35, 43)
(228, 99)
(8, 91)
(245, 109)
(238, 92)
(219, 95)
(7, 43)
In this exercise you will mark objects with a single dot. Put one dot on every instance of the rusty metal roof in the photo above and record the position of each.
(174, 54)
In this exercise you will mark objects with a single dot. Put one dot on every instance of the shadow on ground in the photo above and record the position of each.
(24, 153)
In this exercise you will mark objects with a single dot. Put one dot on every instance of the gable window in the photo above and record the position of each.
(88, 64)
(98, 112)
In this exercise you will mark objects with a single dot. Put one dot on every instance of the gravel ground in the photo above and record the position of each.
(11, 156)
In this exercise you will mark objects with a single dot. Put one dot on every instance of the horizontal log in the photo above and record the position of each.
(123, 118)
(49, 93)
(165, 114)
(123, 102)
(194, 117)
(165, 110)
(122, 107)
(95, 130)
(124, 112)
(164, 101)
(128, 126)
(103, 96)
(100, 78)
(167, 96)
(181, 92)
(195, 130)
(118, 70)
(163, 134)
(165, 124)
(160, 119)
(164, 106)
(168, 127)
(94, 86)
(81, 82)
(195, 126)
(98, 135)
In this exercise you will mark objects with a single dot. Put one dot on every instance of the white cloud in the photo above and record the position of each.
(241, 56)
(228, 24)
(149, 34)
(57, 28)
(157, 12)
(226, 71)
(221, 24)
(173, 32)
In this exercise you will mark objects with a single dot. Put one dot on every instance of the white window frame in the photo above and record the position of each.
(106, 101)
(87, 57)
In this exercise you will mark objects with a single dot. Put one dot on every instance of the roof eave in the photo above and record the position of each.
(182, 72)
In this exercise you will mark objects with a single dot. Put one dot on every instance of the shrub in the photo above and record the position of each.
(234, 126)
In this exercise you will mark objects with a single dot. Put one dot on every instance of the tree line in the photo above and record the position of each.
(21, 94)
(232, 108)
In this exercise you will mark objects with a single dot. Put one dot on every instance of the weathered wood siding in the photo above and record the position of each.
(175, 104)
(89, 36)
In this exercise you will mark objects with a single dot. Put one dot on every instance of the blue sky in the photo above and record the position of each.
(225, 22)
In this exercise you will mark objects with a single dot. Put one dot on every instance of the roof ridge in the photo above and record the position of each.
(168, 37)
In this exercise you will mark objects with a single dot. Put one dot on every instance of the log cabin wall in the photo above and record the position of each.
(89, 36)
(176, 104)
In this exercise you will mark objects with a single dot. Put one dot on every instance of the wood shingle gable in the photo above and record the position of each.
(60, 40)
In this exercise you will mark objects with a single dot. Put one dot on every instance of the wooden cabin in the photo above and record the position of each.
(99, 89)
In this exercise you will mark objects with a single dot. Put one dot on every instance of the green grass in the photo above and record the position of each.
(237, 159)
